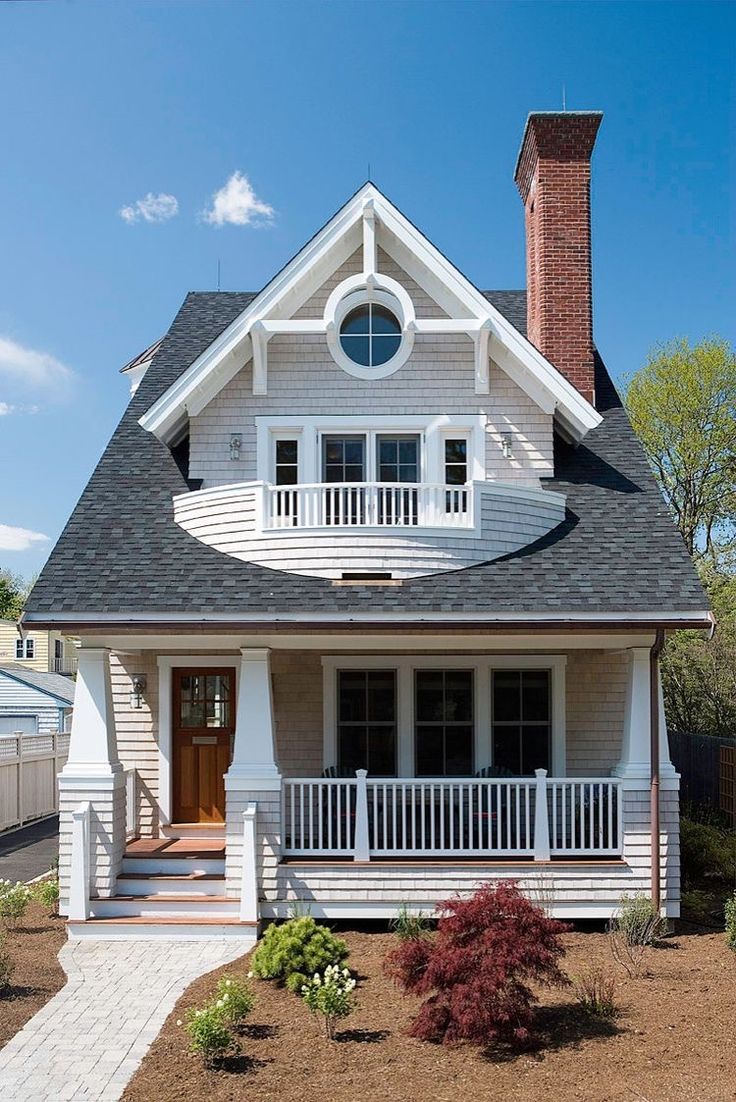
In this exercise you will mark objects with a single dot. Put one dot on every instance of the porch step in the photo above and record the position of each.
(197, 884)
(164, 906)
(173, 928)
(175, 857)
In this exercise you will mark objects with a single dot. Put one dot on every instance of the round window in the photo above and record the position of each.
(370, 335)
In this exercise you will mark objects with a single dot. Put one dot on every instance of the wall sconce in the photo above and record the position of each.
(236, 443)
(138, 681)
(506, 445)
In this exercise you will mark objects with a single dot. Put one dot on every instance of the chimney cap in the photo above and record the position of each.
(574, 117)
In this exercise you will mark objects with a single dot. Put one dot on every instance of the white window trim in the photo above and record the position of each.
(359, 290)
(310, 430)
(167, 663)
(482, 667)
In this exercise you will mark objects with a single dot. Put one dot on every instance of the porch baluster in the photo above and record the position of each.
(541, 818)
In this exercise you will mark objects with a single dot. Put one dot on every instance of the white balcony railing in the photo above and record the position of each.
(452, 817)
(368, 504)
(65, 665)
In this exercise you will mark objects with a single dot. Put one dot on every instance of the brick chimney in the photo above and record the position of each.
(553, 177)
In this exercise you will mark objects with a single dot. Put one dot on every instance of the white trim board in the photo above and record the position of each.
(482, 667)
(166, 663)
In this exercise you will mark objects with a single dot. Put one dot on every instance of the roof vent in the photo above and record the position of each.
(367, 577)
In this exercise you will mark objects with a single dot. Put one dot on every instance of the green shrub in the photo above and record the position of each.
(706, 850)
(594, 992)
(296, 950)
(330, 995)
(410, 924)
(209, 1032)
(14, 898)
(638, 920)
(6, 968)
(47, 894)
(236, 998)
(697, 906)
(730, 910)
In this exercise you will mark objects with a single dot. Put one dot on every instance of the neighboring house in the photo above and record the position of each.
(46, 651)
(372, 518)
(32, 702)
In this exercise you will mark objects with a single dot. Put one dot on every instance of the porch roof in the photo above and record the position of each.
(121, 553)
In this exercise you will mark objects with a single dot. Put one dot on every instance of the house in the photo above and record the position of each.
(45, 651)
(33, 702)
(371, 584)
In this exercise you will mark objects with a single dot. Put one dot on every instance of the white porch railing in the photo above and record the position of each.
(451, 817)
(368, 504)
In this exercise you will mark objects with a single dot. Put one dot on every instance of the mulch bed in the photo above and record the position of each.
(33, 946)
(674, 1041)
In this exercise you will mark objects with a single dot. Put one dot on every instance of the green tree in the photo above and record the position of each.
(13, 592)
(682, 404)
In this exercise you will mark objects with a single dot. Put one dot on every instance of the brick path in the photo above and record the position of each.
(89, 1039)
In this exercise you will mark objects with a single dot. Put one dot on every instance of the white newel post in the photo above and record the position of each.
(249, 881)
(253, 779)
(361, 844)
(541, 818)
(80, 864)
(94, 776)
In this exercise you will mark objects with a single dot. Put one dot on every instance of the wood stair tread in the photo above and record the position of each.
(166, 898)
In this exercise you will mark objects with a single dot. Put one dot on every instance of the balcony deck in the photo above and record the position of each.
(400, 529)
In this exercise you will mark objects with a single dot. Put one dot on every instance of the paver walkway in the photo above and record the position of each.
(89, 1039)
(29, 851)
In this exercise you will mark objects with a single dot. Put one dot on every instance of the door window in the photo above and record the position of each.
(204, 701)
(343, 458)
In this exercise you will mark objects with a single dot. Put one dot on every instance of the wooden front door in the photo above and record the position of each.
(203, 717)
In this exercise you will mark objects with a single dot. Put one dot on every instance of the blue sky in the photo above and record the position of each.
(106, 103)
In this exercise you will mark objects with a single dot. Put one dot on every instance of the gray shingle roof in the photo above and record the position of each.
(52, 683)
(122, 553)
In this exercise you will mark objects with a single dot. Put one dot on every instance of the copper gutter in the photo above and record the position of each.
(654, 807)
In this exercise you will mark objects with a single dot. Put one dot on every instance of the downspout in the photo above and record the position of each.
(654, 759)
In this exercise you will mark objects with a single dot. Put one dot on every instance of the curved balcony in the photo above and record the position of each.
(400, 529)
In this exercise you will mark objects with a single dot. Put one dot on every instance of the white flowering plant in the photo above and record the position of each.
(209, 1032)
(236, 998)
(14, 898)
(331, 995)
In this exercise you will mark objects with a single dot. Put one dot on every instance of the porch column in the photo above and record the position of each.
(253, 776)
(634, 764)
(93, 773)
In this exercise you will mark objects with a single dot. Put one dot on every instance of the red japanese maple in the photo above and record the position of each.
(477, 968)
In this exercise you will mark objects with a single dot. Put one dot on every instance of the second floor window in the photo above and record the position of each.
(287, 462)
(456, 461)
(25, 648)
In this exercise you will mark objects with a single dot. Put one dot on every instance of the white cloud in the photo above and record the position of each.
(19, 539)
(6, 408)
(151, 208)
(237, 204)
(32, 368)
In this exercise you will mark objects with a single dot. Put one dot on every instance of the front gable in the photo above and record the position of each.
(368, 243)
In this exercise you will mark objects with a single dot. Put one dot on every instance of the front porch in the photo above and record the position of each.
(295, 823)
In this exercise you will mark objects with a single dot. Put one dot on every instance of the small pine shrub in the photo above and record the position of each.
(410, 924)
(236, 998)
(209, 1032)
(730, 911)
(296, 950)
(475, 971)
(330, 995)
(595, 993)
(14, 898)
(47, 894)
(6, 968)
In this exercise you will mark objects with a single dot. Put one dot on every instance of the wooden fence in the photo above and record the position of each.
(699, 759)
(728, 782)
(29, 765)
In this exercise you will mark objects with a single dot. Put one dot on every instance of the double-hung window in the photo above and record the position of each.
(443, 723)
(366, 721)
(286, 473)
(25, 648)
(522, 720)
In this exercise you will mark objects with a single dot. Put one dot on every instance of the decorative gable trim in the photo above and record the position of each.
(272, 311)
